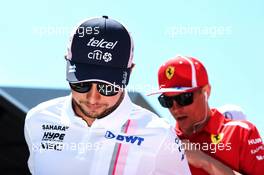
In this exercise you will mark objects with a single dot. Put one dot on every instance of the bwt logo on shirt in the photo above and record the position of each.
(124, 138)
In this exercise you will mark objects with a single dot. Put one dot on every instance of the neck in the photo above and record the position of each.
(79, 113)
(199, 125)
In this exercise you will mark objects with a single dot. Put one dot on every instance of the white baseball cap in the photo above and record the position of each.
(232, 112)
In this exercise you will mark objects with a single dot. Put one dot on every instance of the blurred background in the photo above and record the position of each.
(227, 36)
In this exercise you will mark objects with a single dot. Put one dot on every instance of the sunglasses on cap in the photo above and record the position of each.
(183, 99)
(103, 88)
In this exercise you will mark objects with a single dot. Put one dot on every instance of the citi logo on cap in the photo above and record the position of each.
(99, 55)
(103, 53)
(102, 43)
(169, 72)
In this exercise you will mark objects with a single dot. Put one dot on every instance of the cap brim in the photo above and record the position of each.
(173, 90)
(79, 72)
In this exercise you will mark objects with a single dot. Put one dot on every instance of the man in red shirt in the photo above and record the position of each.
(213, 143)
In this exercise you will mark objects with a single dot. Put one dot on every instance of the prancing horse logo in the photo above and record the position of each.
(217, 138)
(169, 72)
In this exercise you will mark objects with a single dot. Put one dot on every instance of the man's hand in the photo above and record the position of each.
(199, 159)
(195, 157)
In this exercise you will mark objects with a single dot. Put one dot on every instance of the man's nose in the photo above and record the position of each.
(176, 108)
(93, 95)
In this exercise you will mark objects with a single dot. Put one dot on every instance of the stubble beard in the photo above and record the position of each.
(95, 115)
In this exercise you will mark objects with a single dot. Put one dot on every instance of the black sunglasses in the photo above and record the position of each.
(103, 88)
(183, 99)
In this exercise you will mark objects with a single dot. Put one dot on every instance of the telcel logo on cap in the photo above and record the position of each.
(103, 52)
(169, 72)
(102, 43)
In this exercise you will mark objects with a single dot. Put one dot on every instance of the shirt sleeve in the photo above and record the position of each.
(252, 151)
(171, 158)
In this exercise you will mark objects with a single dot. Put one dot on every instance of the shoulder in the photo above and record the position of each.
(152, 119)
(151, 124)
(226, 123)
(243, 129)
(240, 124)
(52, 106)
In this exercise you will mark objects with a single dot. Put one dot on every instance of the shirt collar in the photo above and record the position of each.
(215, 122)
(119, 116)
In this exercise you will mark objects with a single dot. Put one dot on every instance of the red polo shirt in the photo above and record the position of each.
(235, 143)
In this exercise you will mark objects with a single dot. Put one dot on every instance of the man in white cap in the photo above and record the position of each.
(233, 112)
(97, 130)
(215, 145)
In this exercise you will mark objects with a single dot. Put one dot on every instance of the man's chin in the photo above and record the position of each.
(96, 116)
(184, 129)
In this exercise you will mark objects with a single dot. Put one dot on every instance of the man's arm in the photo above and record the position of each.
(30, 146)
(252, 151)
(199, 159)
(171, 158)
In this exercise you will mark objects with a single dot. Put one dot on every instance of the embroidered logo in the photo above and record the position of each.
(169, 72)
(217, 138)
(124, 138)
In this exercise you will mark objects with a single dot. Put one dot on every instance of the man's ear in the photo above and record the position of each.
(207, 90)
(132, 67)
